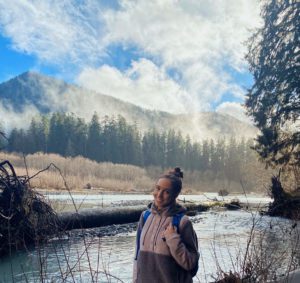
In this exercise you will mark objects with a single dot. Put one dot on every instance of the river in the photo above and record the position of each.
(223, 236)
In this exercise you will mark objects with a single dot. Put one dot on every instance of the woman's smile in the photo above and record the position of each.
(163, 194)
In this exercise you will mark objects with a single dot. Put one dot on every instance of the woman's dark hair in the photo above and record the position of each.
(175, 177)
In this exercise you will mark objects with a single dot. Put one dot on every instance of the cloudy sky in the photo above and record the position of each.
(172, 55)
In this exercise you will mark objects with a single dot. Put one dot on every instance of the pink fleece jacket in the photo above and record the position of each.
(169, 259)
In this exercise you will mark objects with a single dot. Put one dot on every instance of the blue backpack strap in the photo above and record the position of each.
(176, 219)
(146, 214)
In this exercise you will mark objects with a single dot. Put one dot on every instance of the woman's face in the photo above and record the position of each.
(163, 193)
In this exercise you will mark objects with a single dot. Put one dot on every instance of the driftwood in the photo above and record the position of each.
(24, 215)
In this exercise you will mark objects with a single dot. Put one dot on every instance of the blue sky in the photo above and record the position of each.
(189, 52)
(15, 62)
(12, 62)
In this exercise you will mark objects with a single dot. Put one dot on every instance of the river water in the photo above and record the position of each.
(223, 235)
(119, 199)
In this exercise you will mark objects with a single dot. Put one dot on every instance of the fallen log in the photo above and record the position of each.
(89, 218)
(99, 217)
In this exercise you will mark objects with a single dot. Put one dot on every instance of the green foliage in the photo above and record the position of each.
(273, 101)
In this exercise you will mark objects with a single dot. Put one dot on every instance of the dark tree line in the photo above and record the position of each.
(113, 139)
(109, 140)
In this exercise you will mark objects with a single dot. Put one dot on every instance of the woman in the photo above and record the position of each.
(167, 248)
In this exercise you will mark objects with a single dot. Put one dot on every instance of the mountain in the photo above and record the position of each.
(47, 94)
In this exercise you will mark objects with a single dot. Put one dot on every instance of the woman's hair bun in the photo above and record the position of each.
(177, 172)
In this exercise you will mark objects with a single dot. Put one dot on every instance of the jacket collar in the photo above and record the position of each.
(170, 210)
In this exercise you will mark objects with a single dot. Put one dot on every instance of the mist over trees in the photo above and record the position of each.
(113, 139)
(2, 138)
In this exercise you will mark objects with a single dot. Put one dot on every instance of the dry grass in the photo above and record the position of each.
(79, 172)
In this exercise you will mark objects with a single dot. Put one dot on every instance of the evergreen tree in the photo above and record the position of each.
(111, 145)
(36, 135)
(79, 137)
(32, 137)
(204, 159)
(13, 140)
(213, 156)
(220, 155)
(94, 143)
(195, 161)
(68, 137)
(273, 100)
(17, 141)
(70, 149)
(56, 140)
(232, 162)
(152, 149)
(188, 154)
(171, 149)
(127, 139)
(45, 124)
(179, 149)
(137, 158)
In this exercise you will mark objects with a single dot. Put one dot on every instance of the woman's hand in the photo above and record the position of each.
(170, 230)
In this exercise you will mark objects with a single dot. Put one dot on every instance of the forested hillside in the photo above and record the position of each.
(31, 93)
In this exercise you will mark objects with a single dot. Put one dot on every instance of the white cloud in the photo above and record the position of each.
(182, 32)
(143, 84)
(234, 109)
(55, 31)
(200, 39)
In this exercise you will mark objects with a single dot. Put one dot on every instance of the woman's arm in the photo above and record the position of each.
(184, 246)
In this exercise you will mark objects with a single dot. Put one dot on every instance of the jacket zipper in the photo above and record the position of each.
(155, 240)
(156, 232)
